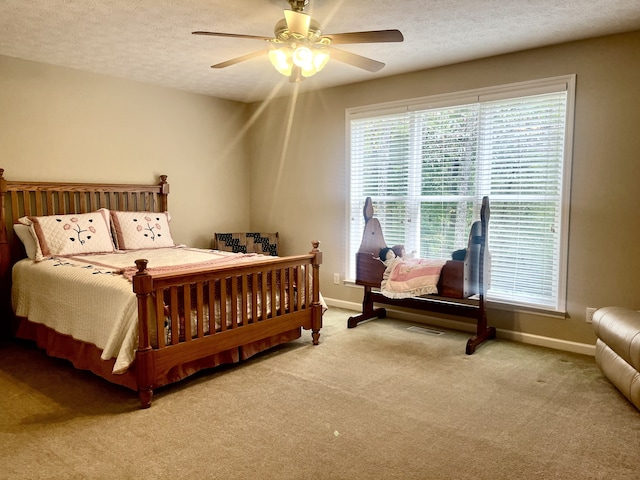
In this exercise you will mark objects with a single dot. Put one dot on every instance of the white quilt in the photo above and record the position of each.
(87, 298)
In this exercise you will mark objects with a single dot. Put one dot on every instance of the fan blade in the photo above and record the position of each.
(233, 35)
(355, 60)
(373, 36)
(233, 61)
(297, 22)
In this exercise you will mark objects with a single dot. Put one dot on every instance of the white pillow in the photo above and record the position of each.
(26, 236)
(135, 230)
(71, 234)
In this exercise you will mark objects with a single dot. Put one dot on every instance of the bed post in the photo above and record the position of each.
(145, 369)
(483, 332)
(316, 316)
(5, 260)
(164, 192)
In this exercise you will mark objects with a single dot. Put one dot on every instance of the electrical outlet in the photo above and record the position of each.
(589, 315)
(336, 278)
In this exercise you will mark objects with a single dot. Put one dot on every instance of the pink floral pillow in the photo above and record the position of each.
(71, 234)
(135, 230)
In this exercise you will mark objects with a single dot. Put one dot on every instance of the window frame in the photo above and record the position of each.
(513, 90)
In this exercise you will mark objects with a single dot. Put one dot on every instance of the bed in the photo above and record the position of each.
(461, 283)
(174, 319)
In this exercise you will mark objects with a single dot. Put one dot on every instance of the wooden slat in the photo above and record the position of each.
(274, 293)
(61, 200)
(246, 318)
(173, 311)
(50, 201)
(91, 202)
(72, 207)
(212, 306)
(293, 298)
(14, 205)
(24, 198)
(234, 302)
(308, 291)
(223, 304)
(84, 208)
(264, 286)
(38, 203)
(186, 298)
(299, 288)
(287, 293)
(293, 290)
(33, 205)
(160, 318)
(199, 286)
(255, 311)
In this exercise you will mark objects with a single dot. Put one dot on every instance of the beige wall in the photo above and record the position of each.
(288, 174)
(64, 124)
(604, 257)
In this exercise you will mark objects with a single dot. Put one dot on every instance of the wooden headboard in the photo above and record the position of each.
(19, 198)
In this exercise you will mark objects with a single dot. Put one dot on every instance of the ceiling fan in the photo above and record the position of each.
(299, 49)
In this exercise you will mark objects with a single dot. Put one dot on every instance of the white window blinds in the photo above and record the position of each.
(427, 169)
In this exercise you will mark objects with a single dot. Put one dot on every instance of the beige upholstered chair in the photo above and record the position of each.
(247, 242)
(618, 349)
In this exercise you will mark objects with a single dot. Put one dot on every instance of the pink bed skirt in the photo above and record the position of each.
(86, 356)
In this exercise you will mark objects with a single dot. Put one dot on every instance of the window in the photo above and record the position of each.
(427, 163)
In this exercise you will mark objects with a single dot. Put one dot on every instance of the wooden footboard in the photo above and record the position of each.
(461, 287)
(218, 310)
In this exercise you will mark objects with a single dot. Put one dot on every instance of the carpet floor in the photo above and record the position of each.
(385, 400)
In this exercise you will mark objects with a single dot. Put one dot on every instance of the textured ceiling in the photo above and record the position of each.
(150, 40)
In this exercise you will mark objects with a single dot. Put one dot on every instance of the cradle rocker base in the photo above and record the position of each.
(430, 303)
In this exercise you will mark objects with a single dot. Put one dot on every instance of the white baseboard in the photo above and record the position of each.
(527, 338)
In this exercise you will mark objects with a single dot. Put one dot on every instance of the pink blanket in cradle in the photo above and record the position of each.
(411, 277)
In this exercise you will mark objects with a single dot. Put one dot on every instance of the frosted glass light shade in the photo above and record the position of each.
(310, 60)
(281, 59)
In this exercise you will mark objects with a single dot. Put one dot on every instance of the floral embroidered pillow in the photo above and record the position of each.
(71, 234)
(135, 230)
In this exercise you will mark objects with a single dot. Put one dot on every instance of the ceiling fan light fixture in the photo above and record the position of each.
(318, 62)
(303, 57)
(310, 60)
(282, 60)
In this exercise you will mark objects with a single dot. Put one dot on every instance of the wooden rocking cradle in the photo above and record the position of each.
(461, 287)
